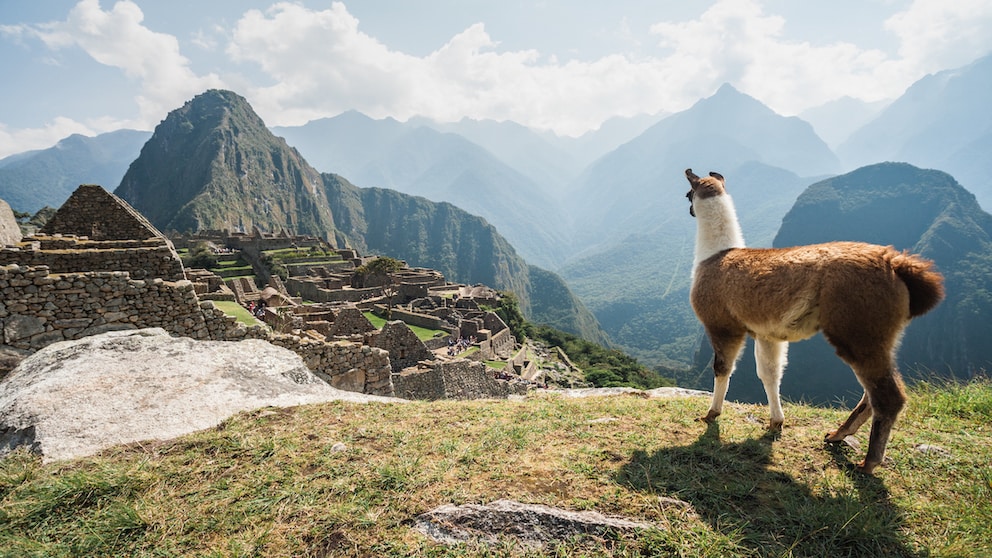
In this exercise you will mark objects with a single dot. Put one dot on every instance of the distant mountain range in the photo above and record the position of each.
(32, 180)
(943, 121)
(605, 211)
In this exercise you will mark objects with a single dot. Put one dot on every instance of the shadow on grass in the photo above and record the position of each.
(731, 487)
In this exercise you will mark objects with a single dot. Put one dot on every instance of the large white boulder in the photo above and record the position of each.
(75, 398)
(10, 232)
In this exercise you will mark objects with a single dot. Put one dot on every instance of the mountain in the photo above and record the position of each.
(633, 236)
(620, 192)
(46, 177)
(541, 159)
(444, 167)
(213, 164)
(343, 144)
(942, 121)
(923, 211)
(837, 120)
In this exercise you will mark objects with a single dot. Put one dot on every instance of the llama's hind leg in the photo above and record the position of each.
(770, 357)
(887, 397)
(726, 348)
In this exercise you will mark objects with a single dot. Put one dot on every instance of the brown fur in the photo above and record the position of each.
(861, 296)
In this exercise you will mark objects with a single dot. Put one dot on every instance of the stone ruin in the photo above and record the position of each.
(98, 265)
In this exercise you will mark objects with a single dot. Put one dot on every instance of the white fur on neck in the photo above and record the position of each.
(717, 228)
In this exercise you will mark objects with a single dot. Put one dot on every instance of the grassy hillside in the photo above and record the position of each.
(271, 483)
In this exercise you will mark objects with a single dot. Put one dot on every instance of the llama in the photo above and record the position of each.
(861, 296)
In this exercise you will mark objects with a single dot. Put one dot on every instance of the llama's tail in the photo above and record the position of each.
(925, 283)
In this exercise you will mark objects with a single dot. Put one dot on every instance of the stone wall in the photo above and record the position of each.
(143, 259)
(418, 319)
(97, 214)
(345, 365)
(38, 308)
(312, 289)
(404, 347)
(456, 379)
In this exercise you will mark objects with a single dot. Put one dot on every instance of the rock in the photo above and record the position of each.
(929, 449)
(532, 525)
(75, 398)
(10, 232)
(662, 392)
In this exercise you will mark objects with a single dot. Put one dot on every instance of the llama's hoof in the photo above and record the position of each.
(710, 417)
(775, 425)
(865, 467)
(833, 437)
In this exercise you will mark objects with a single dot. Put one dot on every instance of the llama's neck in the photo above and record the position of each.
(717, 228)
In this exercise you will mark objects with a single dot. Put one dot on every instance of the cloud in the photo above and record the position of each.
(27, 139)
(118, 38)
(935, 34)
(321, 64)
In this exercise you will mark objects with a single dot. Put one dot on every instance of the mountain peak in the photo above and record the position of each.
(213, 164)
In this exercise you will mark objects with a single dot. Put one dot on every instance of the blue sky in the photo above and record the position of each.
(92, 66)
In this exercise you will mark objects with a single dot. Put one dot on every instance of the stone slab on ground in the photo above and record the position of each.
(75, 398)
(530, 525)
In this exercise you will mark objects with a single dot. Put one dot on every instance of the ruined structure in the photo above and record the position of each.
(100, 266)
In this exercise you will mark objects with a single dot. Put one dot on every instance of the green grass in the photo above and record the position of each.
(267, 483)
(240, 312)
(422, 333)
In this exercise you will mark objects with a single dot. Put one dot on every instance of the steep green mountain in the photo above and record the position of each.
(942, 121)
(924, 211)
(213, 164)
(46, 177)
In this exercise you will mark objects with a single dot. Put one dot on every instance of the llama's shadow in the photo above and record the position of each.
(732, 488)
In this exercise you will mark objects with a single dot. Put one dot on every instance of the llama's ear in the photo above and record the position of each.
(693, 179)
(717, 176)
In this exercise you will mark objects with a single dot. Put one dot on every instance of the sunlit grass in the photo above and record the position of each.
(270, 483)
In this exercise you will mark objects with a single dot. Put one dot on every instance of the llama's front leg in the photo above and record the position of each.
(770, 357)
(860, 415)
(726, 349)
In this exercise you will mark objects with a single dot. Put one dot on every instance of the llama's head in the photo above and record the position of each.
(705, 187)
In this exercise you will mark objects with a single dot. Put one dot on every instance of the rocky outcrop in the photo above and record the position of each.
(75, 398)
(10, 233)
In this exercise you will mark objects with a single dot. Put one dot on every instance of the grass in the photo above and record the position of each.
(240, 312)
(267, 482)
(423, 333)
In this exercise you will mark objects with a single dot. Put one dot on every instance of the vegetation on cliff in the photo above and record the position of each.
(346, 479)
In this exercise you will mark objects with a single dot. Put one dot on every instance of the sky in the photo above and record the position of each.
(93, 66)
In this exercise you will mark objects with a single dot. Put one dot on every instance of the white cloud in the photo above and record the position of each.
(936, 34)
(322, 64)
(117, 38)
(28, 139)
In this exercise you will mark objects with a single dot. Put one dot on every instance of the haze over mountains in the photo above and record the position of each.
(606, 212)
